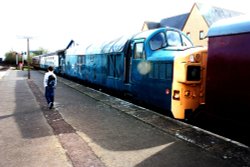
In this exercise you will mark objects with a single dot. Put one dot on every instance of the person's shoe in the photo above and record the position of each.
(50, 105)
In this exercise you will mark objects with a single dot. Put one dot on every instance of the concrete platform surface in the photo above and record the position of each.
(90, 128)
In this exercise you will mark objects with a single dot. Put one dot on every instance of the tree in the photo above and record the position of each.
(10, 57)
(39, 51)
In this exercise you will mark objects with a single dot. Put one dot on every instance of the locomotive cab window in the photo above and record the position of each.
(186, 41)
(158, 41)
(139, 51)
(174, 38)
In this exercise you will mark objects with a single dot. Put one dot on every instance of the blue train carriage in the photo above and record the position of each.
(100, 63)
(50, 59)
(73, 63)
(168, 71)
(228, 76)
(106, 62)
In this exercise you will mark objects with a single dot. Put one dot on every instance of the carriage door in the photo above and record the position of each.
(134, 54)
(138, 56)
(127, 65)
(61, 61)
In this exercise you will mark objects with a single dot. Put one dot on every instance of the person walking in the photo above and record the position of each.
(50, 82)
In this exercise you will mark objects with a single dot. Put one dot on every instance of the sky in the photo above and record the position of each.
(51, 24)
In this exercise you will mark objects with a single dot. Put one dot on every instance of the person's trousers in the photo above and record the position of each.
(49, 94)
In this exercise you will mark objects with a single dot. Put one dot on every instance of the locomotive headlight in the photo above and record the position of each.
(195, 58)
(176, 95)
(191, 58)
(187, 93)
(198, 57)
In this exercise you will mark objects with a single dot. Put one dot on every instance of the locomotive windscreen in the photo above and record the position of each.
(193, 73)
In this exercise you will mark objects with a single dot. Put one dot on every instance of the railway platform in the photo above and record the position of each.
(90, 128)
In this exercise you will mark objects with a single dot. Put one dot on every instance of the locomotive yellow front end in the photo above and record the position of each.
(188, 89)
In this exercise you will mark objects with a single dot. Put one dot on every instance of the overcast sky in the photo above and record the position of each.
(53, 23)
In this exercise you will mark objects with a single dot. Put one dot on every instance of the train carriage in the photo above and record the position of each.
(101, 64)
(50, 59)
(36, 62)
(228, 77)
(160, 67)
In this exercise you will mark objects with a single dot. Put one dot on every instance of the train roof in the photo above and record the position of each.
(116, 45)
(231, 26)
(148, 33)
(75, 49)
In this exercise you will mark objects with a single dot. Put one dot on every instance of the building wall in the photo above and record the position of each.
(194, 24)
(144, 27)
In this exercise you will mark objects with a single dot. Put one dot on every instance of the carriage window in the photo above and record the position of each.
(174, 38)
(158, 41)
(114, 65)
(79, 59)
(111, 65)
(139, 51)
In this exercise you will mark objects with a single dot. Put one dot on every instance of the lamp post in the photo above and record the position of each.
(28, 56)
(28, 52)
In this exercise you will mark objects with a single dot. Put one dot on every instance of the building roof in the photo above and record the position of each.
(210, 14)
(176, 21)
(152, 25)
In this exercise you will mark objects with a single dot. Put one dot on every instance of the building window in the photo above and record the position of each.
(201, 34)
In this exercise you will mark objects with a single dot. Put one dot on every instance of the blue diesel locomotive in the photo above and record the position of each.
(160, 67)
